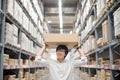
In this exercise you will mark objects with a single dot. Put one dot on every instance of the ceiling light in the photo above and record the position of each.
(60, 16)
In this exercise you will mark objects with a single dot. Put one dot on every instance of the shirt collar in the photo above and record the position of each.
(61, 62)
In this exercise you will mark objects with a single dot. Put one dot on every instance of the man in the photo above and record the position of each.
(61, 69)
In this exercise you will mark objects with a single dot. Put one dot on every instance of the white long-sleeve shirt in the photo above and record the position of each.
(63, 70)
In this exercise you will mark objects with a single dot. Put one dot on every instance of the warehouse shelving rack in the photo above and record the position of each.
(15, 52)
(2, 22)
(110, 47)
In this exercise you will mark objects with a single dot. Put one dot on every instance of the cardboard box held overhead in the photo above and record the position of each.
(52, 40)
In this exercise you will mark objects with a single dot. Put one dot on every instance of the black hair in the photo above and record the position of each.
(63, 47)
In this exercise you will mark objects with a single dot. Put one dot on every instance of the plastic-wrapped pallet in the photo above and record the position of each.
(117, 22)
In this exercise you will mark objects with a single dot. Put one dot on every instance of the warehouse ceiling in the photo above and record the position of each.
(52, 15)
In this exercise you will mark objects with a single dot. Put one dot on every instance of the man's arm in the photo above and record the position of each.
(41, 52)
(80, 61)
(39, 59)
(81, 52)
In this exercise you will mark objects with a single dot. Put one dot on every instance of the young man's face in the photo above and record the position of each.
(60, 54)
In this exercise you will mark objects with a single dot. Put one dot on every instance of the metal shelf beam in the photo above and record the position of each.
(9, 67)
(19, 50)
(106, 67)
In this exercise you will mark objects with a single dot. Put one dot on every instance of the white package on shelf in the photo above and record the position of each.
(16, 11)
(8, 33)
(117, 22)
(10, 6)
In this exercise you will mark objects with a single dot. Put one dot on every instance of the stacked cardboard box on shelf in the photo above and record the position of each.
(105, 31)
(90, 23)
(8, 33)
(41, 74)
(17, 12)
(24, 75)
(103, 61)
(37, 74)
(92, 61)
(89, 45)
(13, 61)
(88, 27)
(5, 59)
(84, 75)
(39, 10)
(86, 9)
(117, 61)
(25, 22)
(103, 74)
(15, 36)
(32, 76)
(27, 44)
(99, 42)
(25, 62)
(92, 78)
(27, 4)
(101, 5)
(9, 61)
(10, 7)
(32, 62)
(117, 22)
(10, 77)
(11, 35)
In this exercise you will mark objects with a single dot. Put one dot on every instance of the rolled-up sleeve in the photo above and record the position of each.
(41, 61)
(79, 62)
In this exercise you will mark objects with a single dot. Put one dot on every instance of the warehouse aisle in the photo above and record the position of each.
(26, 24)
